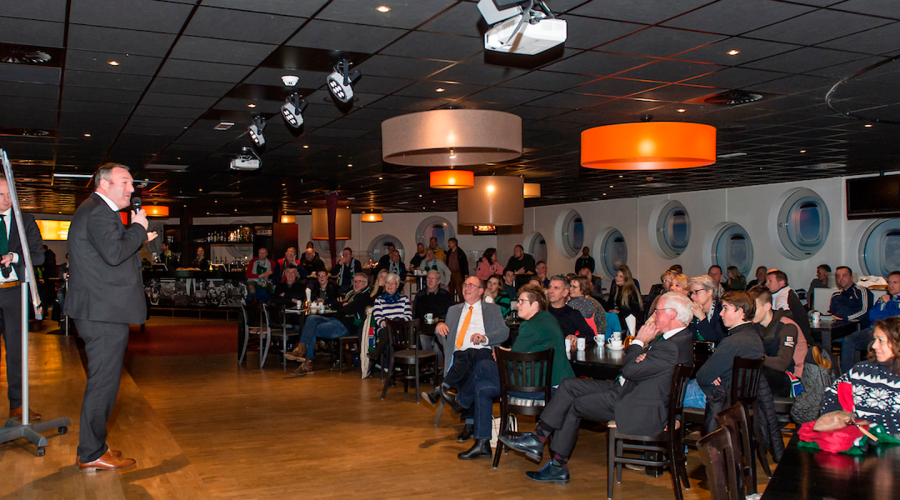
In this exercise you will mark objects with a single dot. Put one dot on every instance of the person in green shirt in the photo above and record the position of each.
(538, 332)
(495, 294)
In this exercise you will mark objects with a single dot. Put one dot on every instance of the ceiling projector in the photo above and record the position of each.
(518, 27)
(245, 161)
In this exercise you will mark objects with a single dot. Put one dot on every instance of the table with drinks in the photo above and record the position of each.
(601, 360)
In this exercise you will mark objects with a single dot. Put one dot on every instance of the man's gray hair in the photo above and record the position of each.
(105, 171)
(705, 281)
(392, 277)
(681, 305)
(436, 273)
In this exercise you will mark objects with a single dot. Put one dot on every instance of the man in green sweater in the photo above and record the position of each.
(538, 332)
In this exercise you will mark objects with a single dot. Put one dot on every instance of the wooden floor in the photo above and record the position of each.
(204, 427)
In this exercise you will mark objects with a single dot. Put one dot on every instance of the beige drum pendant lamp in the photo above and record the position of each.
(494, 201)
(320, 224)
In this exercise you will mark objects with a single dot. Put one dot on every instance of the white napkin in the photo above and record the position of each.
(631, 322)
(308, 295)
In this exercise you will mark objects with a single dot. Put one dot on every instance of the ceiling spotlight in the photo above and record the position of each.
(341, 80)
(292, 110)
(802, 150)
(305, 146)
(733, 52)
(256, 131)
(868, 125)
(290, 80)
(251, 105)
(87, 135)
(440, 89)
(383, 9)
(113, 63)
(681, 110)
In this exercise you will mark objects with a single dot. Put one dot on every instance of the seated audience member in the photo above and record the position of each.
(350, 314)
(520, 262)
(736, 280)
(432, 300)
(596, 283)
(785, 298)
(261, 267)
(384, 259)
(540, 270)
(785, 346)
(626, 299)
(291, 291)
(378, 284)
(200, 261)
(613, 285)
(875, 382)
(743, 340)
(487, 265)
(346, 267)
(707, 324)
(310, 261)
(324, 292)
(253, 293)
(637, 401)
(571, 322)
(391, 305)
(665, 279)
(538, 332)
(469, 334)
(289, 260)
(590, 308)
(821, 281)
(417, 259)
(585, 261)
(432, 263)
(715, 274)
(509, 282)
(438, 251)
(887, 306)
(393, 265)
(678, 283)
(760, 277)
(536, 282)
(494, 294)
(852, 302)
(677, 268)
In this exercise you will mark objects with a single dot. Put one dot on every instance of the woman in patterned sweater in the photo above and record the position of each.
(876, 382)
(391, 305)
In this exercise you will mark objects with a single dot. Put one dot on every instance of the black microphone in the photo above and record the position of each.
(136, 203)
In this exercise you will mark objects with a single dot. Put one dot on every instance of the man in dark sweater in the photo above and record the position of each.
(291, 291)
(852, 302)
(743, 340)
(571, 322)
(520, 262)
(585, 261)
(432, 300)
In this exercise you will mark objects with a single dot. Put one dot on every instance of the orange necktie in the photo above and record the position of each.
(461, 336)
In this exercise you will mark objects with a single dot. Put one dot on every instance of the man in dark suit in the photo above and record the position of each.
(637, 400)
(106, 294)
(12, 265)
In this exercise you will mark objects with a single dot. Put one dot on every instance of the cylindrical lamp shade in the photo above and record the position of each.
(532, 190)
(649, 146)
(156, 210)
(320, 224)
(452, 179)
(450, 137)
(494, 201)
(289, 219)
(372, 217)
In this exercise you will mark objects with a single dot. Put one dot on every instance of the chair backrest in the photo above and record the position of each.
(717, 454)
(680, 377)
(273, 315)
(530, 372)
(404, 334)
(702, 352)
(745, 380)
(734, 421)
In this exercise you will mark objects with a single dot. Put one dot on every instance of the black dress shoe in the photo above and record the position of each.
(433, 397)
(465, 434)
(450, 399)
(550, 473)
(481, 449)
(527, 444)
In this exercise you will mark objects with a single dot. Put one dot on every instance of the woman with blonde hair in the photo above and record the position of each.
(736, 280)
(626, 300)
(378, 284)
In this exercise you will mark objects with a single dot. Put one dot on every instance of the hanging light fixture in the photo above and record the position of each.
(493, 201)
(157, 210)
(532, 190)
(452, 179)
(288, 219)
(649, 146)
(320, 224)
(372, 217)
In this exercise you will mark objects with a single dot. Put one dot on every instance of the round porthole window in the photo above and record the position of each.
(378, 247)
(801, 223)
(730, 245)
(612, 250)
(670, 230)
(879, 248)
(536, 246)
(323, 249)
(570, 233)
(435, 227)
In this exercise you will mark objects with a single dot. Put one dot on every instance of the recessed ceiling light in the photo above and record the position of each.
(113, 63)
(604, 194)
(381, 178)
(868, 125)
(802, 150)
(621, 176)
(305, 146)
(87, 135)
(251, 105)
(420, 196)
(383, 9)
(610, 185)
(349, 164)
(440, 89)
(681, 110)
(733, 52)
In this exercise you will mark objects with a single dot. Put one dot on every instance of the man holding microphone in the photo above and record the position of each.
(106, 294)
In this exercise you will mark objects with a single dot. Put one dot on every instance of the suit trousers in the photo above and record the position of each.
(463, 366)
(11, 315)
(575, 399)
(455, 286)
(104, 344)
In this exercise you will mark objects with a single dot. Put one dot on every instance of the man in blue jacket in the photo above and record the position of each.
(888, 305)
(851, 302)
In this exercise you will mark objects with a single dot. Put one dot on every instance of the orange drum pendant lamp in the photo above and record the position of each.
(648, 146)
(372, 217)
(532, 190)
(452, 179)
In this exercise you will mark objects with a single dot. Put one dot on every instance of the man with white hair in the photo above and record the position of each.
(637, 400)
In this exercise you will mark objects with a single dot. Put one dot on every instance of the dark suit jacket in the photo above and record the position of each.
(105, 282)
(331, 293)
(35, 243)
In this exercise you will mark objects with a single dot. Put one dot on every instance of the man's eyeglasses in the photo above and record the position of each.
(432, 279)
(471, 285)
(667, 280)
(658, 309)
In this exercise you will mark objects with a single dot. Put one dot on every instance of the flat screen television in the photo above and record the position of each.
(873, 197)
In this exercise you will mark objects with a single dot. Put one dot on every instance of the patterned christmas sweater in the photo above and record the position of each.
(876, 395)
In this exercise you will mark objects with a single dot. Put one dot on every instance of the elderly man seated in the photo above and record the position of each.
(344, 270)
(391, 305)
(637, 400)
(432, 263)
(435, 301)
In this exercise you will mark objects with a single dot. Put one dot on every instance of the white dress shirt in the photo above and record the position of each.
(476, 325)
(7, 220)
(112, 206)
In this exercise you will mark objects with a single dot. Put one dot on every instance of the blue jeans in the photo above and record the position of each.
(693, 396)
(856, 341)
(323, 328)
(481, 389)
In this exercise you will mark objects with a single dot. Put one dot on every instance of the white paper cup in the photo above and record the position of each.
(568, 344)
(580, 343)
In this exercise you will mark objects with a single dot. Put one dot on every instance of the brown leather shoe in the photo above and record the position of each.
(297, 354)
(304, 369)
(109, 461)
(17, 415)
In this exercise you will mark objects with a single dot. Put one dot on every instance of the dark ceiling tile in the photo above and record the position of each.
(272, 76)
(28, 32)
(382, 85)
(544, 80)
(660, 42)
(25, 118)
(670, 71)
(106, 80)
(587, 32)
(29, 74)
(408, 103)
(615, 87)
(507, 95)
(43, 10)
(100, 95)
(97, 110)
(734, 78)
(803, 60)
(164, 17)
(175, 68)
(29, 103)
(481, 74)
(733, 17)
(646, 11)
(677, 93)
(435, 46)
(183, 101)
(45, 91)
(748, 50)
(817, 27)
(189, 87)
(123, 41)
(875, 41)
(99, 62)
(343, 36)
(884, 8)
(569, 101)
(461, 19)
(305, 8)
(628, 106)
(168, 112)
(597, 63)
(407, 14)
(243, 26)
(429, 90)
(400, 67)
(223, 51)
(794, 84)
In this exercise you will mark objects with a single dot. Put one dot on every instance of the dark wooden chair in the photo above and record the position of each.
(347, 346)
(745, 375)
(404, 350)
(734, 421)
(670, 442)
(718, 455)
(522, 372)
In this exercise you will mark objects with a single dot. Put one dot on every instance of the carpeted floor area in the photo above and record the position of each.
(183, 337)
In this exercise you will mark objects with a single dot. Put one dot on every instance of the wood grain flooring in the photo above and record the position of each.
(204, 427)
